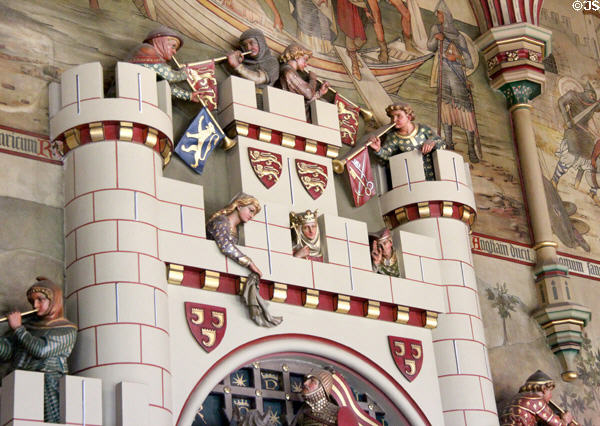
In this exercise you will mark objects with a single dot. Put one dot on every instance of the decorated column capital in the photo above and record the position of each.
(514, 56)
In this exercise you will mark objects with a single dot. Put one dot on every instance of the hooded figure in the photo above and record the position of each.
(306, 235)
(260, 65)
(43, 344)
(383, 254)
(456, 104)
(530, 406)
(158, 48)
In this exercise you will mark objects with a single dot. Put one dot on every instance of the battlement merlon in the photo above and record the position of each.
(282, 111)
(409, 187)
(79, 99)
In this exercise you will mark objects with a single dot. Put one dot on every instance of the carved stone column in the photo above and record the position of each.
(514, 56)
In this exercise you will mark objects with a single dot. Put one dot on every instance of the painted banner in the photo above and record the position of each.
(202, 78)
(198, 141)
(348, 117)
(30, 145)
(520, 253)
(361, 177)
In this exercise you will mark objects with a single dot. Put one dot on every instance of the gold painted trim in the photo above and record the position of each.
(72, 138)
(371, 309)
(310, 298)
(211, 280)
(174, 273)
(569, 376)
(279, 292)
(424, 210)
(288, 141)
(543, 244)
(167, 159)
(310, 146)
(97, 131)
(151, 137)
(401, 215)
(447, 208)
(467, 216)
(341, 304)
(241, 128)
(264, 135)
(430, 319)
(563, 321)
(401, 314)
(519, 106)
(242, 284)
(332, 151)
(126, 131)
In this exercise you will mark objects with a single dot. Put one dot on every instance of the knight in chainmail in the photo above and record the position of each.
(579, 147)
(259, 65)
(318, 410)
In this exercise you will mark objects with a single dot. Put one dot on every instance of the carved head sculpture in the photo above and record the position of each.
(538, 382)
(384, 241)
(239, 202)
(306, 231)
(400, 106)
(46, 296)
(293, 52)
(166, 40)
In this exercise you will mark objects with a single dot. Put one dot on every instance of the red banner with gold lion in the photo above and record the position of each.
(348, 116)
(202, 79)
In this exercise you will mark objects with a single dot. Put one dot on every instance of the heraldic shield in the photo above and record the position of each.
(408, 356)
(313, 177)
(266, 166)
(207, 324)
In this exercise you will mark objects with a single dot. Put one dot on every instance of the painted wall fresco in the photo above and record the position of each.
(567, 126)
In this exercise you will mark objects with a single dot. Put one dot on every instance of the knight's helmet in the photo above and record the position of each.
(324, 377)
(537, 382)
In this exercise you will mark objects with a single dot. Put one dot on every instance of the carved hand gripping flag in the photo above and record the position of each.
(266, 165)
(202, 78)
(207, 324)
(313, 177)
(408, 356)
(348, 117)
(198, 141)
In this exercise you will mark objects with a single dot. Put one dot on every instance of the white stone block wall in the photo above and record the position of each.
(459, 343)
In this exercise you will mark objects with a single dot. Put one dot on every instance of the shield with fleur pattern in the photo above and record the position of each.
(266, 165)
(313, 177)
(207, 324)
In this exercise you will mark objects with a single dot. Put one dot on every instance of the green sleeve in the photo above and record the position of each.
(56, 342)
(6, 348)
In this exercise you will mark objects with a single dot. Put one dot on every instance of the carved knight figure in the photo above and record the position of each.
(318, 410)
(306, 238)
(222, 227)
(384, 256)
(531, 406)
(158, 48)
(42, 344)
(294, 61)
(259, 65)
(407, 136)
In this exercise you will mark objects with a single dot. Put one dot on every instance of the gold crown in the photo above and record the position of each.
(308, 216)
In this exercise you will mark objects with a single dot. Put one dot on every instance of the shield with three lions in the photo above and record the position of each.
(313, 177)
(207, 323)
(266, 165)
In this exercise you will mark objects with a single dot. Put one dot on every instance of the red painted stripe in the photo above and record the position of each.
(108, 364)
(161, 408)
(498, 10)
(125, 323)
(31, 156)
(465, 375)
(522, 8)
(511, 11)
(487, 14)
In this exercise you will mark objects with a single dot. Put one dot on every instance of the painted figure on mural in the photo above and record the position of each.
(222, 227)
(316, 27)
(252, 11)
(318, 410)
(306, 238)
(455, 99)
(42, 344)
(580, 146)
(158, 48)
(260, 66)
(407, 136)
(294, 61)
(531, 406)
(384, 256)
